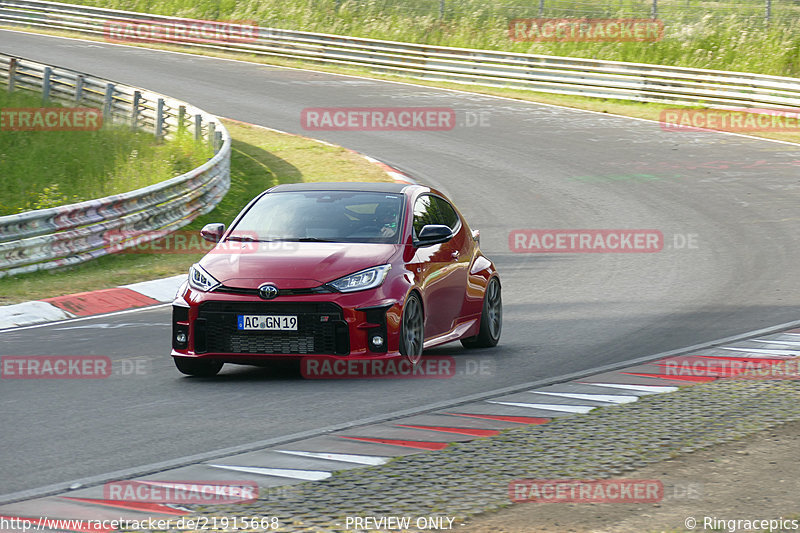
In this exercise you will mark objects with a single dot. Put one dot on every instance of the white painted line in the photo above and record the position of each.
(84, 318)
(106, 325)
(341, 457)
(785, 343)
(582, 409)
(307, 475)
(28, 313)
(649, 389)
(163, 289)
(609, 398)
(791, 353)
(187, 487)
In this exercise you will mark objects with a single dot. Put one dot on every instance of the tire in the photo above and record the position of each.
(491, 319)
(197, 367)
(412, 330)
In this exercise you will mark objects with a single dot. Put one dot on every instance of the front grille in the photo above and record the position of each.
(322, 289)
(216, 329)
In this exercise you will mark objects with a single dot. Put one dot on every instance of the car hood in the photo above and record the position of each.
(292, 264)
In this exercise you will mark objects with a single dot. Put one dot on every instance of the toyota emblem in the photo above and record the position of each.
(268, 291)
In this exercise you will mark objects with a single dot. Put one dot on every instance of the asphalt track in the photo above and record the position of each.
(532, 166)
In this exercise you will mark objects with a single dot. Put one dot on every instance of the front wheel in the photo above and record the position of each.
(491, 319)
(197, 367)
(412, 335)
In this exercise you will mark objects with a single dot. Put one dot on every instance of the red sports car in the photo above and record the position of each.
(348, 270)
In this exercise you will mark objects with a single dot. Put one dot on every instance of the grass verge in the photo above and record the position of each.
(42, 169)
(261, 158)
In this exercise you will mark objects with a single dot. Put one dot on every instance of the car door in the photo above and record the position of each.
(444, 266)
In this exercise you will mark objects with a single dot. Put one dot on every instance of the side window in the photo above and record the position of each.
(422, 214)
(445, 212)
(433, 210)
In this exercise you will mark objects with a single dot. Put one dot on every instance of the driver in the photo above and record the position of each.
(386, 217)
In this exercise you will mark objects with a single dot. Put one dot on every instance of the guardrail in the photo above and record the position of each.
(50, 238)
(550, 74)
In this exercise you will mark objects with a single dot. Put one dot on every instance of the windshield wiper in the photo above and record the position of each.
(313, 239)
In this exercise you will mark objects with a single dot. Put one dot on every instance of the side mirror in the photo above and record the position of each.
(434, 234)
(212, 232)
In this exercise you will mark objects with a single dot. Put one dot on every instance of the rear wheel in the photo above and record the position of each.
(491, 319)
(197, 367)
(412, 330)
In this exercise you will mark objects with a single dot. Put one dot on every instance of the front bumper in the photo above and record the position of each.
(204, 325)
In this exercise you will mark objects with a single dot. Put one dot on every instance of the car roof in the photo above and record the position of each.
(343, 186)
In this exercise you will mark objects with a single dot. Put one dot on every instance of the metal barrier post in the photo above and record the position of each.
(12, 73)
(181, 118)
(137, 99)
(160, 119)
(107, 102)
(78, 89)
(46, 84)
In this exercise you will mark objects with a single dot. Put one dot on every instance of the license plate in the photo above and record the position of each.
(267, 323)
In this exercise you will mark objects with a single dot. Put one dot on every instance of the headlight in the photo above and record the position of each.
(201, 280)
(362, 280)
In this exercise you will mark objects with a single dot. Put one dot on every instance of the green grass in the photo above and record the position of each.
(261, 158)
(42, 169)
(709, 34)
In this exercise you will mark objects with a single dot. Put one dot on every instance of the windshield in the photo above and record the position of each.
(323, 216)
